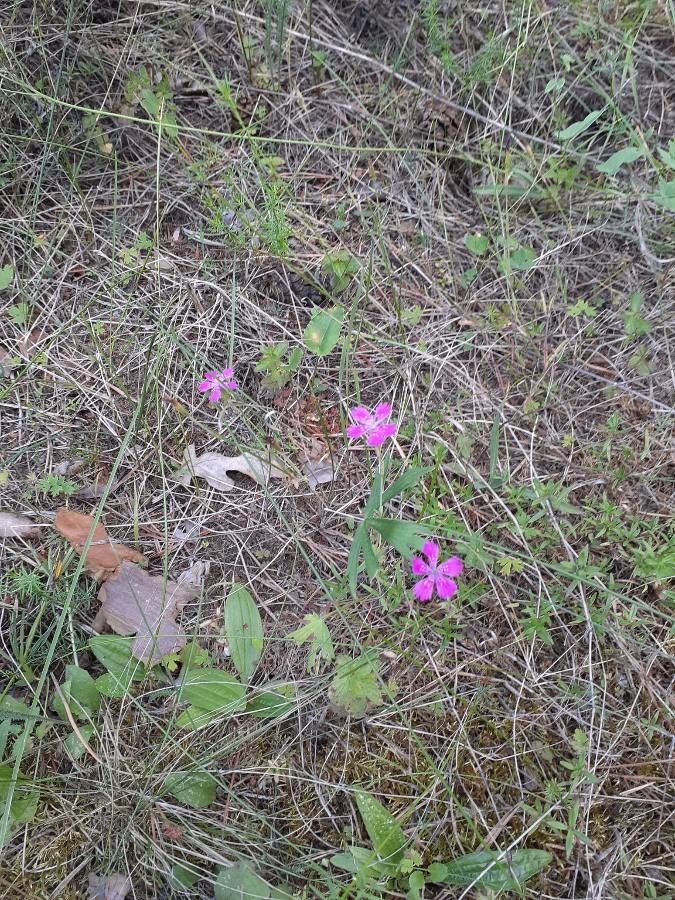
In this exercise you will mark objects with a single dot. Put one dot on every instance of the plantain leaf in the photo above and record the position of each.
(508, 874)
(243, 629)
(383, 829)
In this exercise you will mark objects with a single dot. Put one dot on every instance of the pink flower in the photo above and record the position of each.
(375, 426)
(216, 382)
(438, 577)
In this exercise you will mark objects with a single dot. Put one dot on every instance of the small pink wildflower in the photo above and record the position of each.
(374, 426)
(438, 577)
(216, 382)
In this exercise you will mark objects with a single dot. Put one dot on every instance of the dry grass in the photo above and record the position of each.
(390, 126)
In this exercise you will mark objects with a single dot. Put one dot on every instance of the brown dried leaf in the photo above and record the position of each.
(13, 526)
(108, 887)
(213, 467)
(103, 556)
(133, 602)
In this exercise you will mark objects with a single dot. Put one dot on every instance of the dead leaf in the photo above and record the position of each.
(133, 602)
(317, 466)
(13, 526)
(103, 555)
(213, 467)
(187, 530)
(108, 887)
(195, 576)
(94, 490)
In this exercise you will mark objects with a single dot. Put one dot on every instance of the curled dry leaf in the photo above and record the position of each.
(195, 576)
(103, 555)
(133, 602)
(213, 467)
(14, 526)
(317, 465)
(94, 490)
(108, 887)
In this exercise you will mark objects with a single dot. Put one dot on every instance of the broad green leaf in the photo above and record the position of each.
(196, 789)
(275, 701)
(477, 244)
(243, 630)
(554, 84)
(25, 796)
(410, 478)
(362, 860)
(316, 631)
(74, 745)
(114, 652)
(577, 128)
(239, 882)
(193, 718)
(11, 708)
(323, 331)
(115, 686)
(521, 259)
(383, 829)
(507, 875)
(406, 537)
(80, 692)
(665, 196)
(356, 686)
(181, 879)
(668, 156)
(213, 691)
(621, 158)
(6, 276)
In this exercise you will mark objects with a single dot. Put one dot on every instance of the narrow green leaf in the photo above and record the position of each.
(383, 829)
(243, 629)
(410, 478)
(494, 449)
(577, 128)
(621, 158)
(507, 875)
(196, 789)
(364, 861)
(554, 84)
(354, 559)
(323, 331)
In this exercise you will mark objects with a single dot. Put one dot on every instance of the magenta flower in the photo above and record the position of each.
(436, 577)
(216, 382)
(374, 426)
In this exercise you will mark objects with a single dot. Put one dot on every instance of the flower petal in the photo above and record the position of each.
(431, 551)
(355, 431)
(445, 587)
(418, 566)
(424, 589)
(383, 411)
(451, 567)
(214, 396)
(232, 385)
(204, 386)
(380, 433)
(360, 414)
(227, 373)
